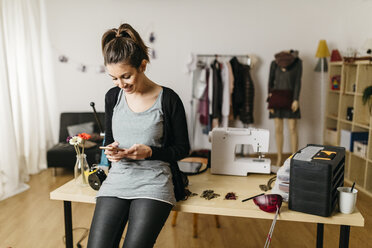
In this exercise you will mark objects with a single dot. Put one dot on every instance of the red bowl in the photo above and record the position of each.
(268, 203)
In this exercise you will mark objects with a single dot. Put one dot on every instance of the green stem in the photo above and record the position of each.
(77, 150)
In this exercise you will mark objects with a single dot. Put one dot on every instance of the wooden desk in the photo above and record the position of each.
(244, 187)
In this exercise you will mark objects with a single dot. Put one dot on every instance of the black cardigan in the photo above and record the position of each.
(175, 144)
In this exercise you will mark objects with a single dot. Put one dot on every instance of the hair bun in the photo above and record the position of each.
(123, 34)
(131, 50)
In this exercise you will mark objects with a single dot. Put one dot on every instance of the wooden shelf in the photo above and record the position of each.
(337, 63)
(350, 93)
(334, 91)
(363, 62)
(345, 121)
(362, 125)
(333, 117)
(356, 155)
(354, 78)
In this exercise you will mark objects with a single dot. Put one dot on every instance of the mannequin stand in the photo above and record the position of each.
(292, 125)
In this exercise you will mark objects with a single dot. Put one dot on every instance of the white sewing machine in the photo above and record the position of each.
(223, 156)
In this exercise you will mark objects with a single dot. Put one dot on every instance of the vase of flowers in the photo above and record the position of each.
(81, 169)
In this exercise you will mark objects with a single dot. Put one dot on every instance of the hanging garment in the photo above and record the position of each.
(246, 113)
(226, 93)
(217, 93)
(199, 83)
(203, 109)
(285, 74)
(217, 90)
(210, 90)
(231, 84)
(200, 108)
(238, 93)
(243, 93)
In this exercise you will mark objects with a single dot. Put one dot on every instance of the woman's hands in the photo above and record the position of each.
(136, 152)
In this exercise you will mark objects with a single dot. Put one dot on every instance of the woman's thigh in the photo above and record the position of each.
(109, 220)
(146, 219)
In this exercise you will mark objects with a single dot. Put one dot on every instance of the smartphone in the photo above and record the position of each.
(111, 148)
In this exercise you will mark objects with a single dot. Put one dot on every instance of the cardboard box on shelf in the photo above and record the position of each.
(360, 148)
(348, 137)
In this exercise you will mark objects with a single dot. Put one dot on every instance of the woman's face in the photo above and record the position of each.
(126, 76)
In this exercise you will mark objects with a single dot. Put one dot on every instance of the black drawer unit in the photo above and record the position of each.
(316, 172)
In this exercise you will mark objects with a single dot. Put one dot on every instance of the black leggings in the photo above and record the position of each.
(146, 219)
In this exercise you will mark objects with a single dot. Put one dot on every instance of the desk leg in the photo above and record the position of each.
(344, 236)
(319, 235)
(68, 224)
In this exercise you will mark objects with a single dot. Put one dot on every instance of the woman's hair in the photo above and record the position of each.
(124, 45)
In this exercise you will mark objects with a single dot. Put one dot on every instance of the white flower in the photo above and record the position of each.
(75, 140)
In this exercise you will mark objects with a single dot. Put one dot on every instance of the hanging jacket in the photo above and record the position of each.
(217, 90)
(243, 93)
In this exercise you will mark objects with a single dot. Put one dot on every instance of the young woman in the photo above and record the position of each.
(146, 131)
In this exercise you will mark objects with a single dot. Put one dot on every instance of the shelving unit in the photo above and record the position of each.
(354, 78)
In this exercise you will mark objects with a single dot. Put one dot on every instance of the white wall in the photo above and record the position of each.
(259, 27)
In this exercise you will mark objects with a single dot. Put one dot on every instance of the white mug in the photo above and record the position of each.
(347, 199)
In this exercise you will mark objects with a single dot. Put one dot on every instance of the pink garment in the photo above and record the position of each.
(231, 79)
(204, 103)
(226, 95)
(231, 83)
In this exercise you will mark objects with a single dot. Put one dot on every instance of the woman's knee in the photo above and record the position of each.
(110, 217)
(146, 219)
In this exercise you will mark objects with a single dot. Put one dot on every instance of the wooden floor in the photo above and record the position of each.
(30, 220)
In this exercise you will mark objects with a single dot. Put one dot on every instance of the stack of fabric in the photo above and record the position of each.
(281, 186)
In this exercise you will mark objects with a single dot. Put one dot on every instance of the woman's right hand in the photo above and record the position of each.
(115, 154)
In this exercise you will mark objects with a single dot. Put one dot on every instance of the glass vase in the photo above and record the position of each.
(81, 170)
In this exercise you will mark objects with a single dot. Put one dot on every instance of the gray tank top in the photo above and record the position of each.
(131, 179)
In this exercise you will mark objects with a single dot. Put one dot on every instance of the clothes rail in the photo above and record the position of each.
(249, 60)
(222, 55)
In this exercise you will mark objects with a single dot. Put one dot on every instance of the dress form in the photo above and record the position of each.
(285, 73)
(292, 125)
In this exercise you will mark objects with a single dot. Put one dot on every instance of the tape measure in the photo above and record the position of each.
(96, 178)
(325, 155)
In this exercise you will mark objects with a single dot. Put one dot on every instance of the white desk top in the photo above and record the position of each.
(243, 187)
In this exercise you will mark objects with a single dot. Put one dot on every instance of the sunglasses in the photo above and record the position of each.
(269, 203)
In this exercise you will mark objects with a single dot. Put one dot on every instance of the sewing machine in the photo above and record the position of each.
(223, 155)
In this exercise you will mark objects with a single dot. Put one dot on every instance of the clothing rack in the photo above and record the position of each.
(226, 55)
(222, 55)
(248, 61)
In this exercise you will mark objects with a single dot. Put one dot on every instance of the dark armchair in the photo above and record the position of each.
(63, 154)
